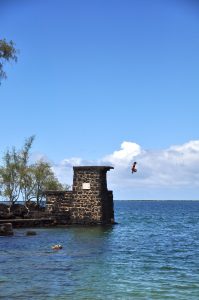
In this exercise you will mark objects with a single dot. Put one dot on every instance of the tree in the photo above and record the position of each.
(19, 179)
(44, 179)
(25, 172)
(7, 53)
(9, 176)
(35, 178)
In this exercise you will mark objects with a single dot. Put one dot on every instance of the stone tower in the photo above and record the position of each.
(89, 202)
(92, 201)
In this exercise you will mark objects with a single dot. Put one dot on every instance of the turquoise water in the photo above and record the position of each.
(153, 253)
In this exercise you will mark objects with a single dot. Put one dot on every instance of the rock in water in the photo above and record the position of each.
(6, 229)
(30, 232)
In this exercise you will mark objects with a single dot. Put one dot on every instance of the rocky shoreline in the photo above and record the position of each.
(21, 216)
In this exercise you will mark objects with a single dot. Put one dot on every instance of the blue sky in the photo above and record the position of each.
(92, 75)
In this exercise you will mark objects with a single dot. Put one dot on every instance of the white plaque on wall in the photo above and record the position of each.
(86, 186)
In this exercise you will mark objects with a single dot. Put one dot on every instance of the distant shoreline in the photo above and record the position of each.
(145, 200)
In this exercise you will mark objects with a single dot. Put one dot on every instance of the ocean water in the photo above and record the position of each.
(152, 253)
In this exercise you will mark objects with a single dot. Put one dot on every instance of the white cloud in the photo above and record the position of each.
(125, 155)
(175, 168)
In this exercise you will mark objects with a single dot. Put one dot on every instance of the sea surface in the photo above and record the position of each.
(152, 253)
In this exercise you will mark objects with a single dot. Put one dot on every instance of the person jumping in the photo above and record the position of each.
(133, 168)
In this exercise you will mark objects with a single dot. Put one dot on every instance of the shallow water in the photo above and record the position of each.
(153, 253)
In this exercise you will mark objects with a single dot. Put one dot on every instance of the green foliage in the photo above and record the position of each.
(44, 179)
(7, 53)
(9, 176)
(19, 178)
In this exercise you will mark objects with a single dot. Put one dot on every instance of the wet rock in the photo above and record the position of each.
(31, 232)
(6, 229)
